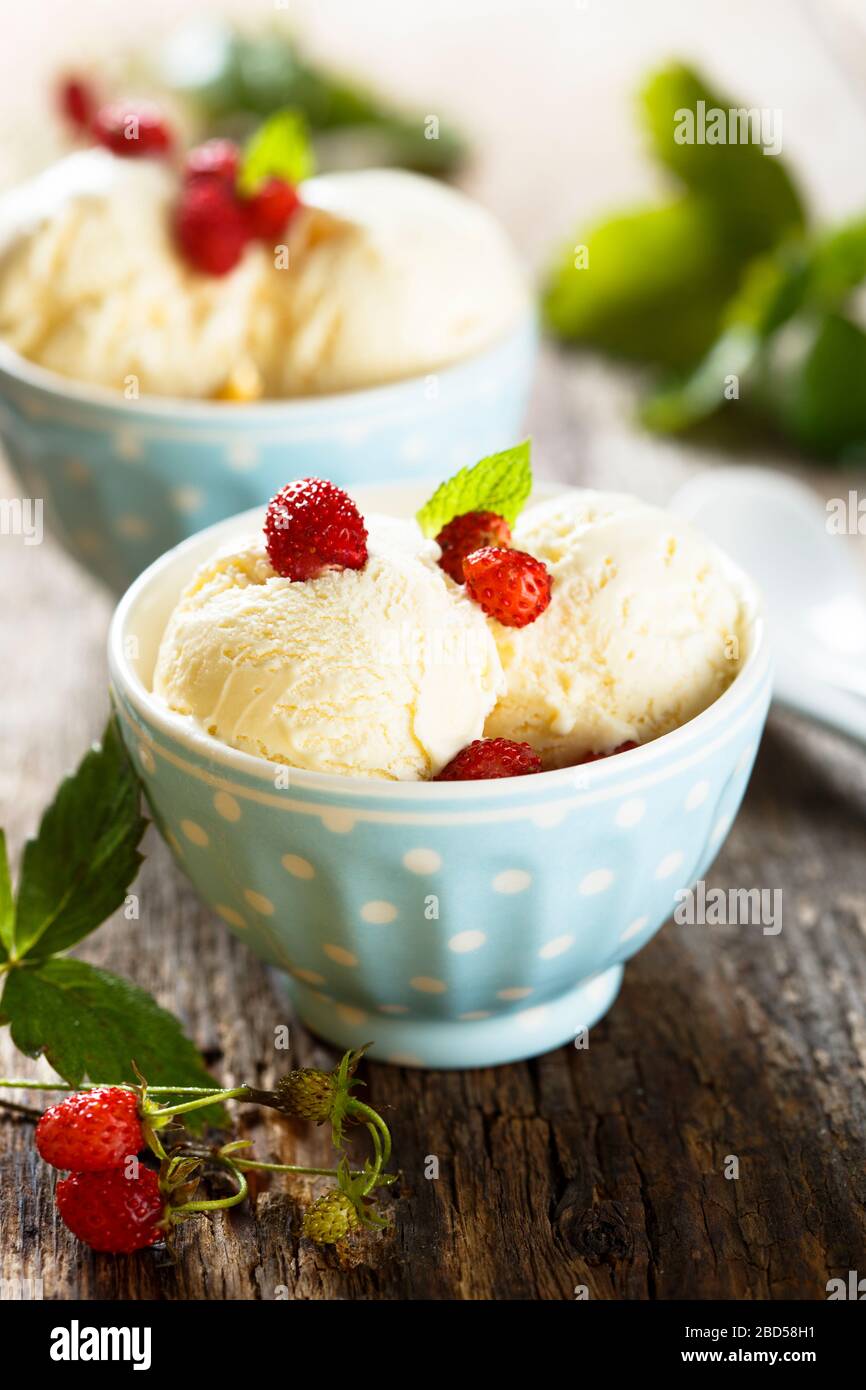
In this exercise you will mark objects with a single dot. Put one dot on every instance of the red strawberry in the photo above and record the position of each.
(209, 225)
(77, 102)
(270, 208)
(490, 757)
(111, 1212)
(91, 1130)
(312, 525)
(471, 531)
(219, 158)
(594, 757)
(132, 128)
(510, 585)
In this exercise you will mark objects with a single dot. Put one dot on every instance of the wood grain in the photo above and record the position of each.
(603, 1167)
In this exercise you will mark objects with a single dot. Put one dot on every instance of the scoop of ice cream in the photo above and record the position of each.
(386, 671)
(397, 275)
(382, 274)
(643, 632)
(91, 284)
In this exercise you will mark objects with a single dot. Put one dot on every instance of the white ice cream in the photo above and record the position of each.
(387, 671)
(644, 629)
(389, 275)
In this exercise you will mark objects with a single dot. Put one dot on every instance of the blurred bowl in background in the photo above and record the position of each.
(125, 480)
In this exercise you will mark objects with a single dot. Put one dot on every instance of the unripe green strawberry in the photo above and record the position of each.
(330, 1218)
(307, 1093)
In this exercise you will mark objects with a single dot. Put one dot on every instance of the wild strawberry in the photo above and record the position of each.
(110, 1211)
(330, 1218)
(312, 525)
(471, 531)
(490, 757)
(510, 585)
(77, 102)
(307, 1093)
(217, 158)
(269, 209)
(594, 757)
(209, 225)
(132, 129)
(91, 1130)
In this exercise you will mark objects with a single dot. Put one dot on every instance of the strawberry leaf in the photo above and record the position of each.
(76, 872)
(280, 148)
(93, 1025)
(500, 483)
(7, 905)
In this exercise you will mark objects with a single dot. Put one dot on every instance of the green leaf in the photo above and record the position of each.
(752, 193)
(500, 483)
(93, 1025)
(279, 149)
(7, 905)
(649, 285)
(653, 285)
(76, 872)
(812, 382)
(814, 392)
(236, 78)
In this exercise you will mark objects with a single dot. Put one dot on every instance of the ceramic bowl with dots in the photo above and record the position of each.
(455, 924)
(122, 481)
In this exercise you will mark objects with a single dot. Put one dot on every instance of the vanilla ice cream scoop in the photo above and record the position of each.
(644, 629)
(395, 275)
(386, 671)
(382, 274)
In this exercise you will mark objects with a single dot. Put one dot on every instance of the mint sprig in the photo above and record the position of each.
(76, 871)
(280, 148)
(500, 483)
(87, 1022)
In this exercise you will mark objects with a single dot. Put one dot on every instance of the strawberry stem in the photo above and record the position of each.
(212, 1098)
(357, 1107)
(27, 1084)
(219, 1203)
(245, 1163)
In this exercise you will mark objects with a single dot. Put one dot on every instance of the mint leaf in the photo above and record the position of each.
(500, 483)
(92, 1025)
(7, 906)
(76, 872)
(279, 149)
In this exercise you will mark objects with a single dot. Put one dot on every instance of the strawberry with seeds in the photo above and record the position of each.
(112, 1212)
(131, 129)
(467, 532)
(509, 585)
(490, 757)
(92, 1130)
(312, 525)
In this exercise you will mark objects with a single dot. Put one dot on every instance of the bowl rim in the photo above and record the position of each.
(180, 729)
(71, 391)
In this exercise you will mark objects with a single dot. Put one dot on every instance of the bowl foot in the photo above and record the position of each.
(454, 1044)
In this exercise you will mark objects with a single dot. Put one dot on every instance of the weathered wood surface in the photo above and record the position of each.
(602, 1167)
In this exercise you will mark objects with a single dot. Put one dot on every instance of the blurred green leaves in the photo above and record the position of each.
(234, 79)
(749, 193)
(721, 284)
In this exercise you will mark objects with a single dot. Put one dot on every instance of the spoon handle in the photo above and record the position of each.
(835, 708)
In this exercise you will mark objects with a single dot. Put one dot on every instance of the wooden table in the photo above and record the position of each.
(603, 1167)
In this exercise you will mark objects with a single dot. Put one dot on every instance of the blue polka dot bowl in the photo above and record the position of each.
(456, 924)
(122, 481)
